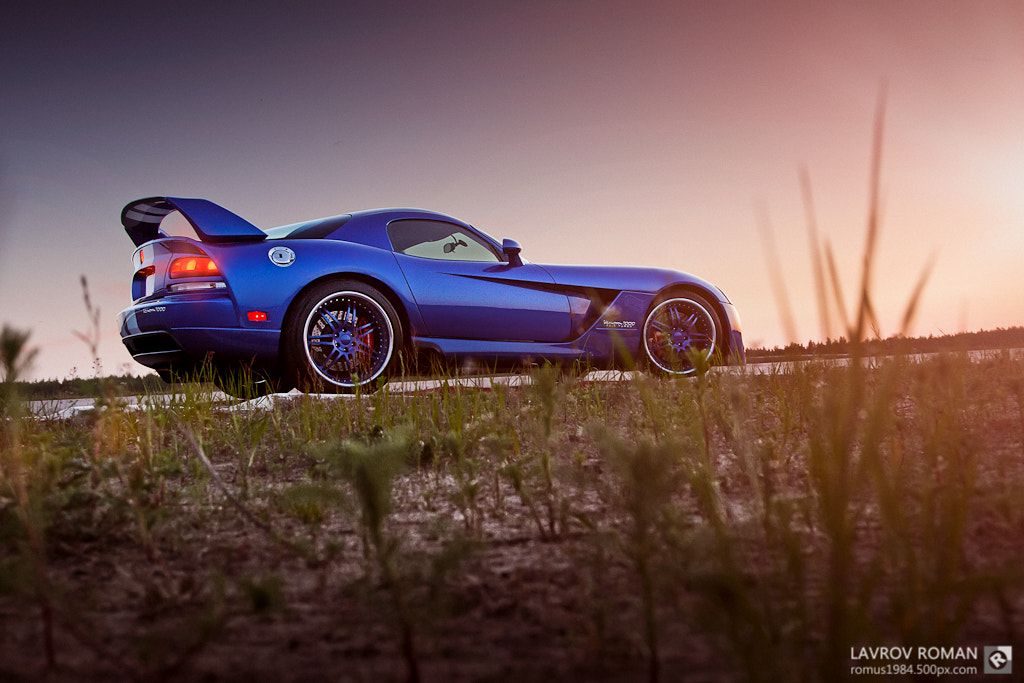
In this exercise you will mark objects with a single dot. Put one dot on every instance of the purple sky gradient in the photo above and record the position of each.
(592, 132)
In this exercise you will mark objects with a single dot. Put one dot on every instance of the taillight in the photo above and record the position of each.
(193, 266)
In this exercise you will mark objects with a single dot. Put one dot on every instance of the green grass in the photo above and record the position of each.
(748, 526)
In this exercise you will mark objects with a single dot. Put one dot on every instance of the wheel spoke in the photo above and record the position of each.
(364, 350)
(703, 339)
(363, 332)
(331, 360)
(331, 321)
(661, 326)
(663, 343)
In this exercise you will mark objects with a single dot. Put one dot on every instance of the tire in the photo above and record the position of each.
(342, 336)
(681, 328)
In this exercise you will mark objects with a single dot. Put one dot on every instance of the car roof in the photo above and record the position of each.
(367, 227)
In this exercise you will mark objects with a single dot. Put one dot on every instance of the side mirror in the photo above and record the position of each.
(511, 249)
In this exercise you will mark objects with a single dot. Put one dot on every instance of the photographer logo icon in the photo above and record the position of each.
(998, 659)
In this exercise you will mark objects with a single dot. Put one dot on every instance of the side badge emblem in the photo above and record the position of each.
(282, 256)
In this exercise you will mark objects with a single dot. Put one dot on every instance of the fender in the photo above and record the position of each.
(628, 278)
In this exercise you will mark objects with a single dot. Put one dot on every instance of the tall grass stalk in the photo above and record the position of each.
(370, 469)
(855, 454)
(646, 473)
(15, 360)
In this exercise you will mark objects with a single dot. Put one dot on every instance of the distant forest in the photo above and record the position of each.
(124, 385)
(1000, 338)
(130, 385)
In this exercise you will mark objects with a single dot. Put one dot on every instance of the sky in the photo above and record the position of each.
(664, 134)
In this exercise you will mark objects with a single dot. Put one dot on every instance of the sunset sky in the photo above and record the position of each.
(639, 133)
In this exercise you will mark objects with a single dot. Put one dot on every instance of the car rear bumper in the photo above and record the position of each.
(183, 332)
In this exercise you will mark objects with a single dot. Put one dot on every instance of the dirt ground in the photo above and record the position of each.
(224, 601)
(476, 592)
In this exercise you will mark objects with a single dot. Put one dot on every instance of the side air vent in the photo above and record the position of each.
(156, 342)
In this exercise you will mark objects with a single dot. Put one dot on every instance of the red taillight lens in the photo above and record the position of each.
(193, 266)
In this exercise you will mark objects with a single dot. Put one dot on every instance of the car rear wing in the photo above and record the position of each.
(141, 220)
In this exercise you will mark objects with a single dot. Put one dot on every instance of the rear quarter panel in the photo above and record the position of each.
(258, 284)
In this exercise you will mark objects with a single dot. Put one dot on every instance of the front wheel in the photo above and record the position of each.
(681, 333)
(343, 336)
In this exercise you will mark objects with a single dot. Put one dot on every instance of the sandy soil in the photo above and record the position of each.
(479, 593)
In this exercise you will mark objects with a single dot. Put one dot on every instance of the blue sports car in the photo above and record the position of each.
(339, 303)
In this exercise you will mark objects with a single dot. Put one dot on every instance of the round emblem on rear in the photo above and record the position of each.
(282, 256)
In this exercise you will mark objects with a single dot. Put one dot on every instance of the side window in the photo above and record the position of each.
(439, 240)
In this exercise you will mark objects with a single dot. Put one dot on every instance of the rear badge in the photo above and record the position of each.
(282, 256)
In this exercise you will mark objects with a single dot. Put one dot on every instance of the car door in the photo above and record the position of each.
(464, 290)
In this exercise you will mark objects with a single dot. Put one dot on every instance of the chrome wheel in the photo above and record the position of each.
(678, 332)
(348, 339)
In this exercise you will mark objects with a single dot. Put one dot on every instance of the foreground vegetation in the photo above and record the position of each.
(731, 527)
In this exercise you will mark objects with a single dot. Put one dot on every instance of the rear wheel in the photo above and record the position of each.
(681, 333)
(342, 336)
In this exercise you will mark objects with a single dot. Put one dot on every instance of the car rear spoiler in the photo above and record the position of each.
(141, 220)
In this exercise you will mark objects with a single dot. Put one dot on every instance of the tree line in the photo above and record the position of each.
(999, 338)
